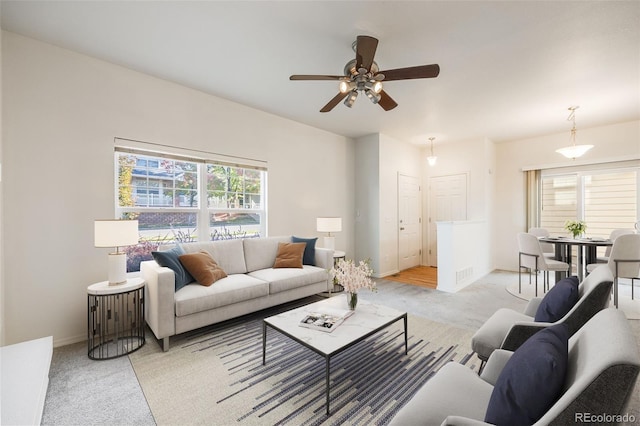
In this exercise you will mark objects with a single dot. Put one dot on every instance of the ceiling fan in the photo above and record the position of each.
(363, 75)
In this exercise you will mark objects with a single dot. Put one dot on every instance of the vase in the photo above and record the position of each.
(352, 300)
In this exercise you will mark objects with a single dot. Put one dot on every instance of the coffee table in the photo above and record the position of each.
(367, 320)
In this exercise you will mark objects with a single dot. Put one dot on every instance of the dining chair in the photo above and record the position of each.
(547, 248)
(531, 257)
(624, 261)
(612, 237)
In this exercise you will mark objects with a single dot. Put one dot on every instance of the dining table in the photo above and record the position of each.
(586, 251)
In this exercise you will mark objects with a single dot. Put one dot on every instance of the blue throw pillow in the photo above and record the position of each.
(558, 301)
(170, 259)
(309, 256)
(532, 380)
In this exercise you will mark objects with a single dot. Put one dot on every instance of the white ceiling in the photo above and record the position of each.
(509, 69)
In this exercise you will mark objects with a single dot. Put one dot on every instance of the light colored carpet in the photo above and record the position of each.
(216, 376)
(631, 308)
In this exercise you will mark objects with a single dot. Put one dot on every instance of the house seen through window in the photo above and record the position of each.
(177, 200)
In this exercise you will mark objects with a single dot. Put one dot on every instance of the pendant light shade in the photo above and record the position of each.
(432, 159)
(574, 151)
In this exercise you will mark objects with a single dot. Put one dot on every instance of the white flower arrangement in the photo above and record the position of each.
(353, 276)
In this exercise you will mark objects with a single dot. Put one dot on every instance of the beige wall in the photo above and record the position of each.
(379, 160)
(61, 113)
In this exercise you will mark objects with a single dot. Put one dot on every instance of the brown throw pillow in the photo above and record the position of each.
(202, 267)
(289, 255)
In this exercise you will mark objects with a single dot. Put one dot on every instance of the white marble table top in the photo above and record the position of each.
(367, 318)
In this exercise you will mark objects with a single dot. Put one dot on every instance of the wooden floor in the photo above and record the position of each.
(423, 276)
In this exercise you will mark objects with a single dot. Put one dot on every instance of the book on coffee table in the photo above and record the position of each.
(325, 319)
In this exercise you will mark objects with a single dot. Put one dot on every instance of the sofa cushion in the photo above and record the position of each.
(229, 254)
(169, 259)
(289, 255)
(309, 257)
(260, 253)
(558, 301)
(235, 288)
(532, 380)
(202, 267)
(283, 279)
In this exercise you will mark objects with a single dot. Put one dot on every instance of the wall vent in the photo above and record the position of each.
(464, 274)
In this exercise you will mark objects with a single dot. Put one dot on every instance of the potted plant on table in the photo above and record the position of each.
(575, 227)
(353, 276)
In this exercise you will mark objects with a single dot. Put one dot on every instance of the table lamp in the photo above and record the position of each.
(329, 225)
(116, 233)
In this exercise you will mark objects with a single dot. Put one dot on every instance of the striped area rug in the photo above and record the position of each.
(216, 376)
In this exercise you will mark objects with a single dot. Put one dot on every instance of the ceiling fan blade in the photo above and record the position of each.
(386, 102)
(333, 102)
(317, 77)
(421, 71)
(365, 51)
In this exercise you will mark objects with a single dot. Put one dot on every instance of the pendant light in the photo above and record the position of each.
(574, 151)
(432, 158)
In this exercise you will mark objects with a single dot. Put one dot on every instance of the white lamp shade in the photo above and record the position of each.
(574, 151)
(329, 224)
(115, 233)
(432, 159)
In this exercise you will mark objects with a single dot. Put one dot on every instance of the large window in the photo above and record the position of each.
(182, 200)
(604, 199)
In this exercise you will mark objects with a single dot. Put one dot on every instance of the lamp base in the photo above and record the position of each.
(117, 268)
(330, 243)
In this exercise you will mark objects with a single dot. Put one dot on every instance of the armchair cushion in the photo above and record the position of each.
(170, 260)
(532, 379)
(558, 301)
(309, 256)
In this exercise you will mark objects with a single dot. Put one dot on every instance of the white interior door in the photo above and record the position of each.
(448, 202)
(409, 222)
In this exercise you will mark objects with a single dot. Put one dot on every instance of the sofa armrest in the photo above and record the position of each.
(324, 258)
(495, 365)
(159, 294)
(532, 306)
(520, 332)
(463, 421)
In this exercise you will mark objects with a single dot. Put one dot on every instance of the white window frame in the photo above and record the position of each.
(203, 211)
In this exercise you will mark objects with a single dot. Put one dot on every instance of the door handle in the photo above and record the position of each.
(402, 229)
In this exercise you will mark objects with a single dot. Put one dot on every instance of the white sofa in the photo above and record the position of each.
(251, 284)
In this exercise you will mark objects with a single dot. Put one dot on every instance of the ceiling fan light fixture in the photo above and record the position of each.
(351, 98)
(373, 96)
(374, 86)
(574, 151)
(346, 86)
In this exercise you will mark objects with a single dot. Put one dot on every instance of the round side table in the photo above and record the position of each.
(337, 255)
(115, 318)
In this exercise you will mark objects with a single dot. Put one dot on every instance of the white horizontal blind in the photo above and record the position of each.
(181, 154)
(559, 202)
(610, 202)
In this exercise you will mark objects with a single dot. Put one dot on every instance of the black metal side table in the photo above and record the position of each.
(337, 255)
(115, 318)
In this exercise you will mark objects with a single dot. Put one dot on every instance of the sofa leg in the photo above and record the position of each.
(165, 344)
